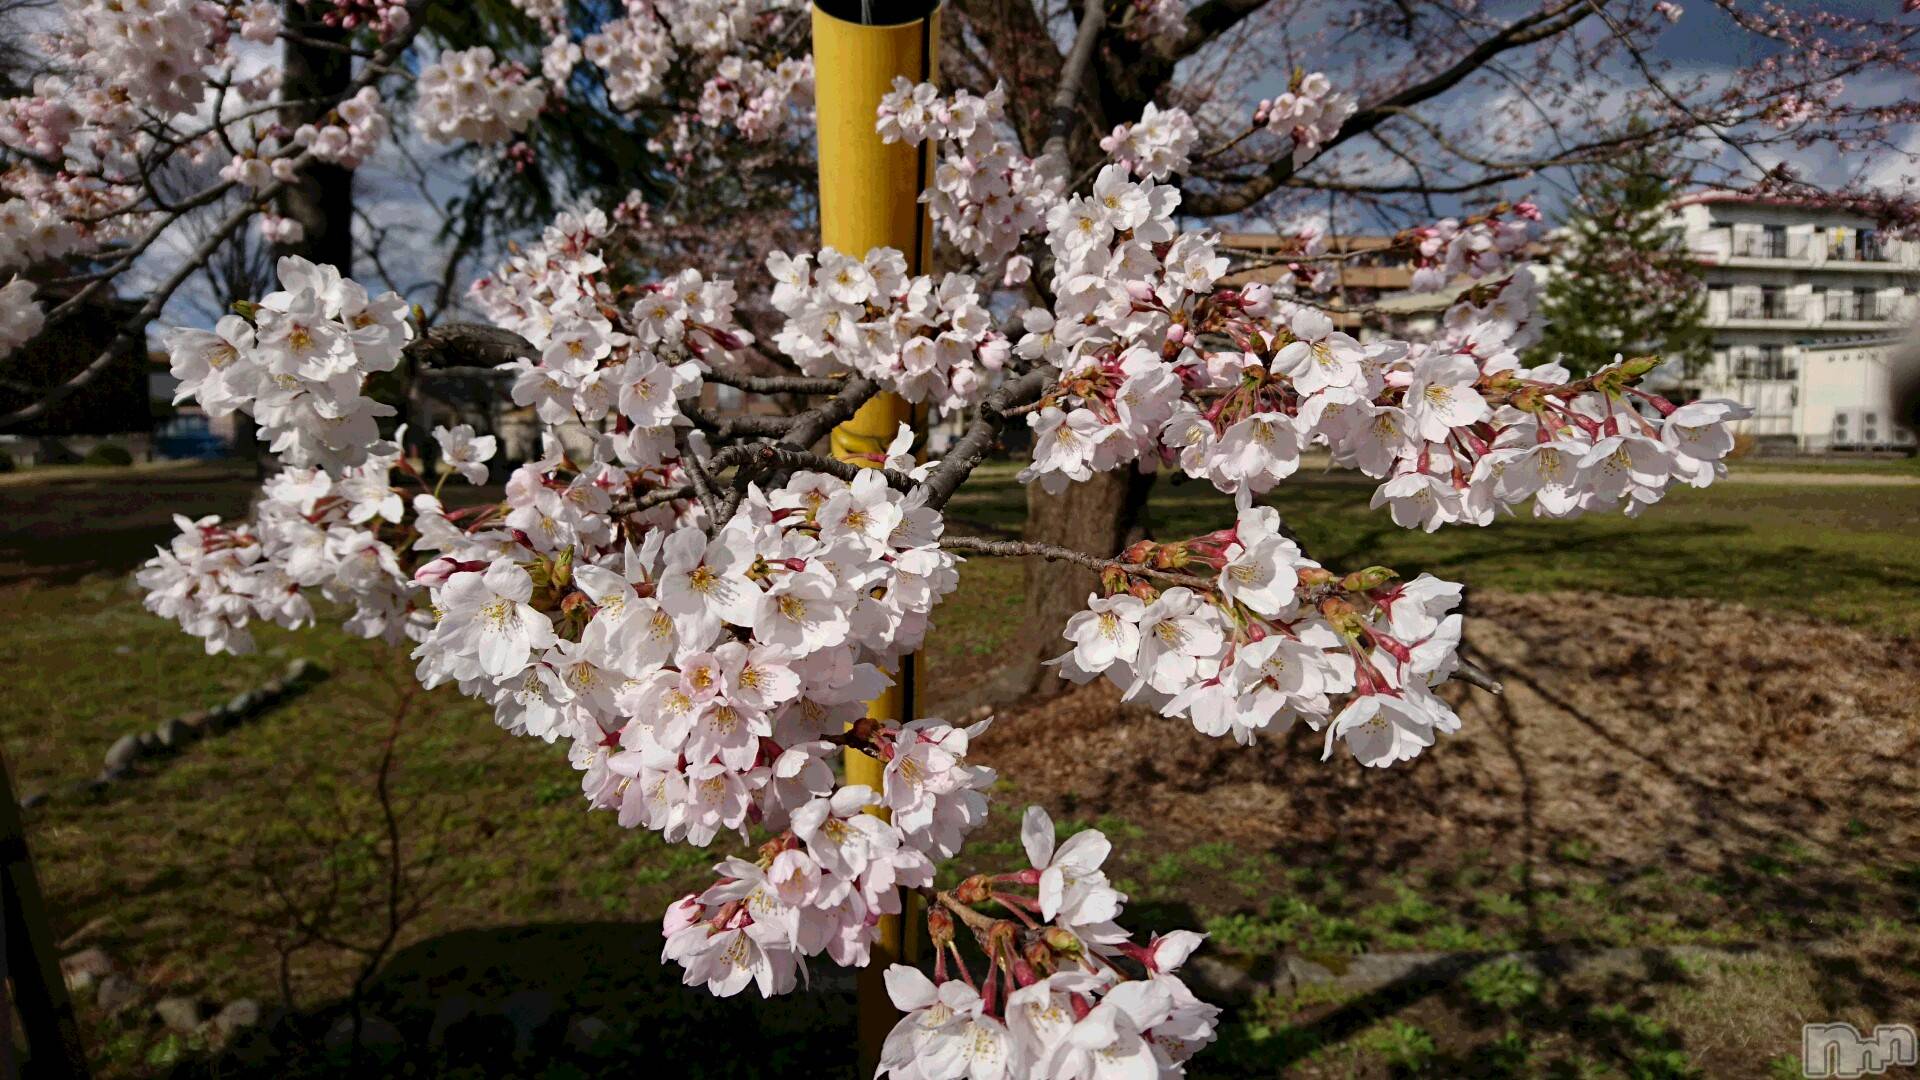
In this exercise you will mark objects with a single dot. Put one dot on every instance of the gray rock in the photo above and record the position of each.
(111, 776)
(527, 1010)
(38, 798)
(300, 668)
(1222, 979)
(271, 690)
(236, 1016)
(199, 722)
(242, 704)
(149, 743)
(174, 733)
(84, 970)
(590, 1035)
(123, 753)
(123, 650)
(449, 1012)
(116, 992)
(181, 1014)
(374, 1032)
(93, 961)
(1303, 971)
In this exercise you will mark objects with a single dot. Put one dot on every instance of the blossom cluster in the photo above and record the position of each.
(1481, 246)
(720, 47)
(157, 51)
(1121, 267)
(819, 886)
(35, 230)
(1311, 113)
(335, 533)
(1156, 146)
(1269, 637)
(753, 97)
(300, 366)
(986, 194)
(1233, 384)
(1155, 20)
(20, 316)
(926, 339)
(387, 18)
(703, 681)
(465, 95)
(596, 361)
(1055, 1000)
(359, 129)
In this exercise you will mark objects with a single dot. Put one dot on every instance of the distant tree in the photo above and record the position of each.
(1623, 279)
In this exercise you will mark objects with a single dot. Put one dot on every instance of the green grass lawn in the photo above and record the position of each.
(257, 861)
(1905, 465)
(1850, 554)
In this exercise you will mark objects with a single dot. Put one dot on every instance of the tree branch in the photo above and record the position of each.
(777, 384)
(973, 447)
(1067, 92)
(1023, 548)
(135, 328)
(810, 426)
(1539, 26)
(1211, 19)
(475, 344)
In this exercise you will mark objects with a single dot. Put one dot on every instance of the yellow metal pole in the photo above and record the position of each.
(870, 197)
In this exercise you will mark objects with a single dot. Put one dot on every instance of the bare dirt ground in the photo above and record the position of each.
(1650, 729)
(1690, 771)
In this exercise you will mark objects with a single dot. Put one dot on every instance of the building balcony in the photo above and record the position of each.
(1773, 309)
(1864, 249)
(1833, 311)
(1771, 246)
(1854, 251)
(1868, 309)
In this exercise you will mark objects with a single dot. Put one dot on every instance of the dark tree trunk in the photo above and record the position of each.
(322, 200)
(1109, 512)
(1103, 515)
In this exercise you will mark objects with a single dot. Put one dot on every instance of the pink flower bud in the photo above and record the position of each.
(438, 572)
(683, 913)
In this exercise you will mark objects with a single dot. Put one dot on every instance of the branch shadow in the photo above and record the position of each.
(579, 999)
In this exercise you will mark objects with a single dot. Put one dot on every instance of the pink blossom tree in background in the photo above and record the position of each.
(693, 601)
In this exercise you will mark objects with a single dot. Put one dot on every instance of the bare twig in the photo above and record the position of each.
(1023, 548)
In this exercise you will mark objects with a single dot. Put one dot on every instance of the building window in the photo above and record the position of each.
(1762, 362)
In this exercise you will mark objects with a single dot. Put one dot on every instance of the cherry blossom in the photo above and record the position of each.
(1311, 112)
(20, 317)
(466, 95)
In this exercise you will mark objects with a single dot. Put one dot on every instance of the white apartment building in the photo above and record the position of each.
(1784, 279)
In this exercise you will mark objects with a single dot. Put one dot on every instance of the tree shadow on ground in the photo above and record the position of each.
(549, 1000)
(121, 514)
